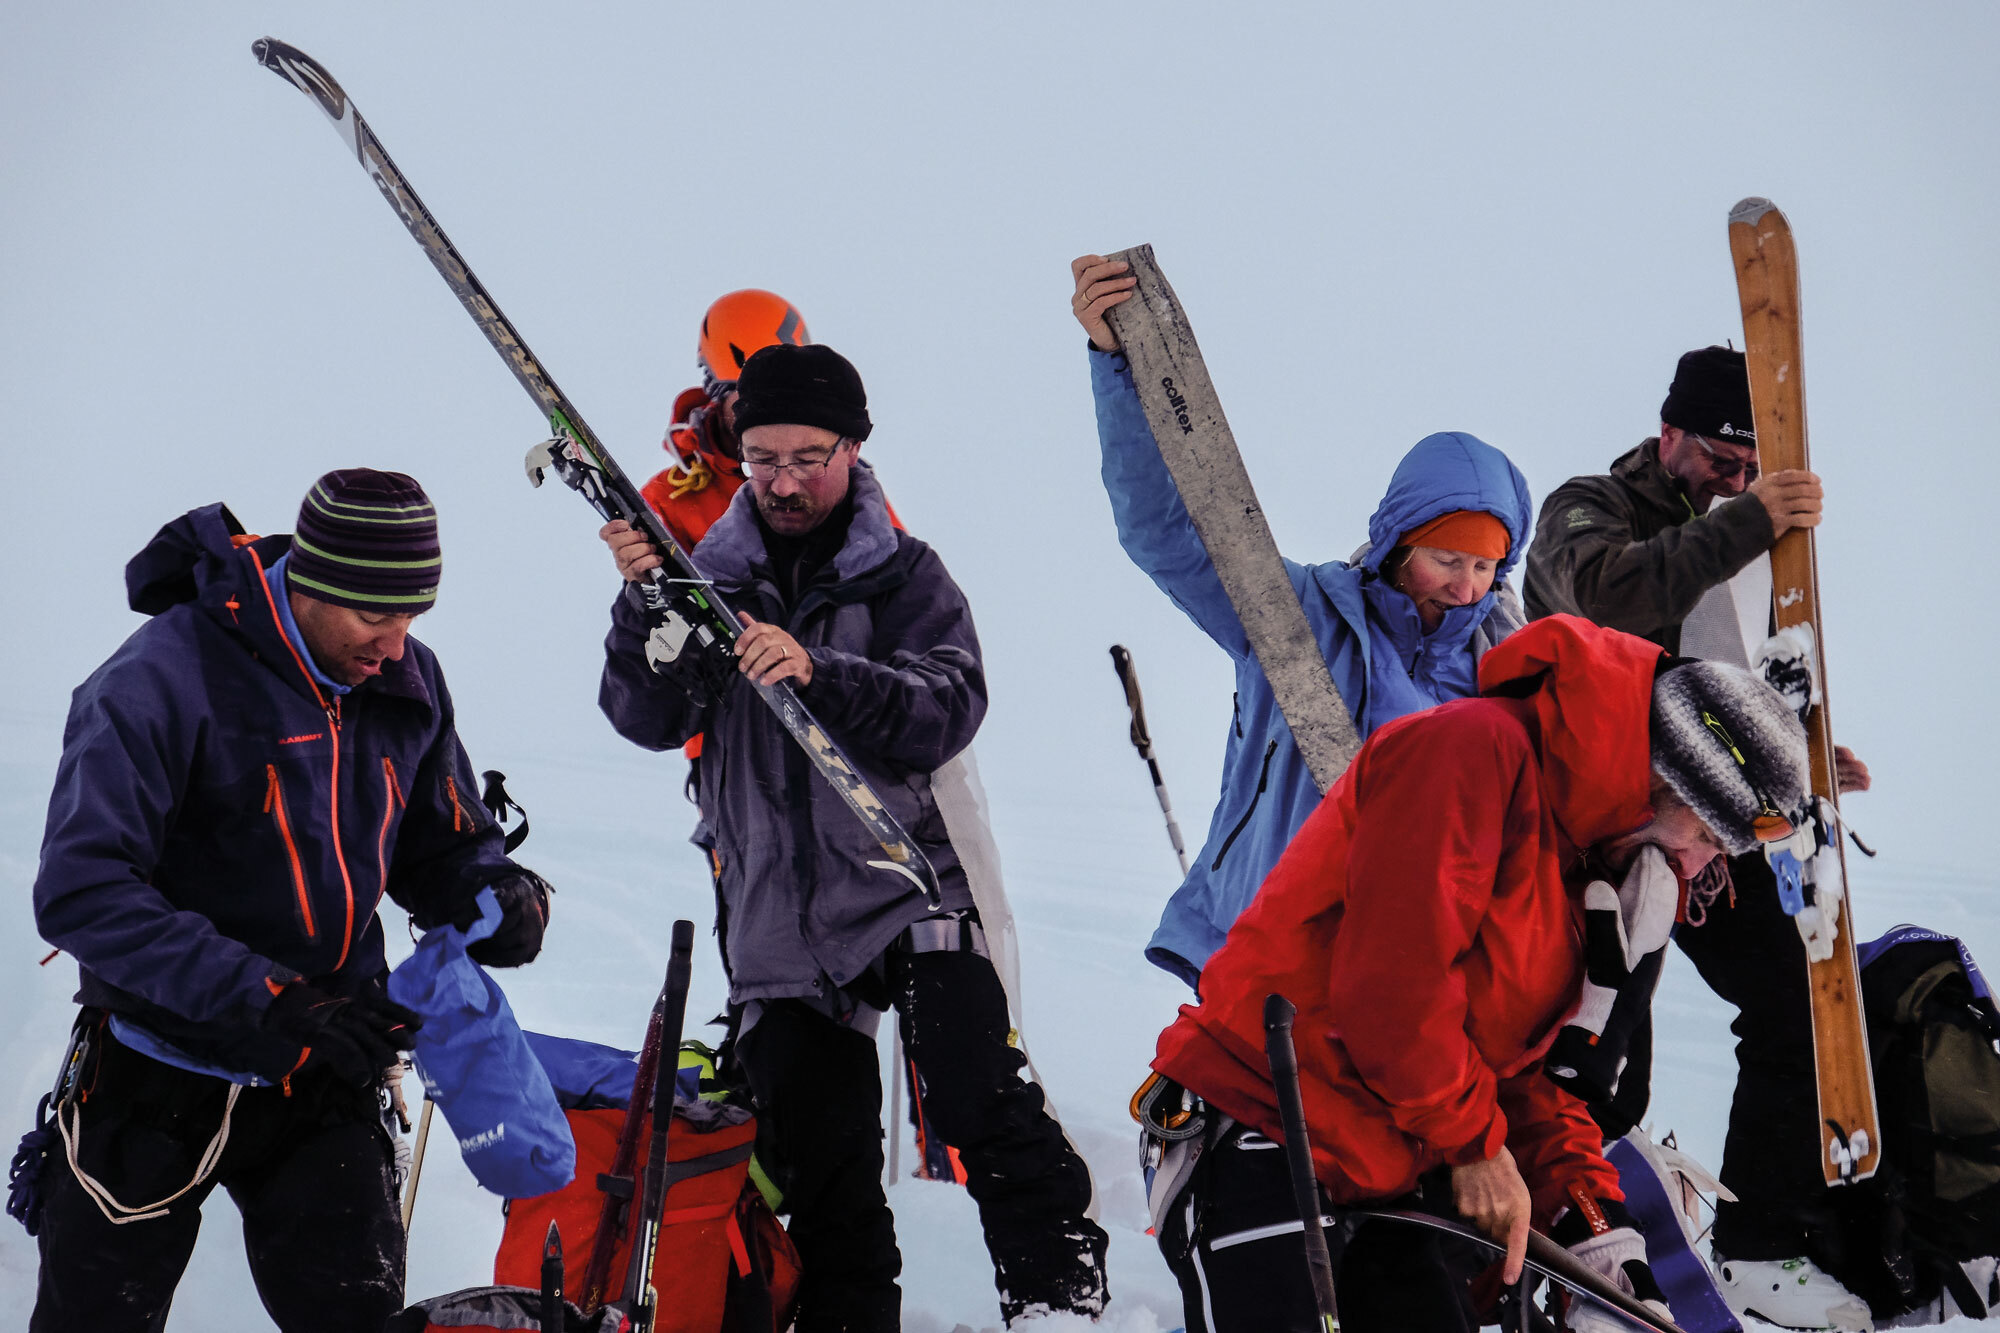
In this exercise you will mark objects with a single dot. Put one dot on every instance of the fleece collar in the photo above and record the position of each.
(734, 546)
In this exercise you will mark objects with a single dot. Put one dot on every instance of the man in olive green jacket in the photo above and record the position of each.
(1648, 550)
(1638, 549)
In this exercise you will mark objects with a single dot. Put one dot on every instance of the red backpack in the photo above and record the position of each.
(723, 1264)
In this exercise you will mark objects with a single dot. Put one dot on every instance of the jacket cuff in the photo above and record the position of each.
(1110, 363)
(829, 677)
(1745, 529)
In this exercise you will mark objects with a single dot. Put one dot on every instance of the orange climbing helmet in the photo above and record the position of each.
(739, 324)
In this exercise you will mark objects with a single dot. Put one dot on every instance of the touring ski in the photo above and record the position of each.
(1767, 283)
(618, 1184)
(691, 630)
(1195, 441)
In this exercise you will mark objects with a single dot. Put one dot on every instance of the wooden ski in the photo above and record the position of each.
(1194, 439)
(1767, 282)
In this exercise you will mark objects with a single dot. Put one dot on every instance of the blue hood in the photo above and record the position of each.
(1445, 472)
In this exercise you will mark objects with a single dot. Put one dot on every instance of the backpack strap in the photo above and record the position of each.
(701, 1166)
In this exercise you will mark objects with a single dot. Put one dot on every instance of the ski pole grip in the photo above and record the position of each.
(1121, 661)
(680, 967)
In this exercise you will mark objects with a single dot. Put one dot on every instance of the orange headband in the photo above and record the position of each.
(1470, 530)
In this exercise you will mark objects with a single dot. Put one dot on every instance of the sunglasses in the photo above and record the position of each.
(1770, 825)
(1722, 466)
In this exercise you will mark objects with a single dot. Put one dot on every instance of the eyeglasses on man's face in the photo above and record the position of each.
(1721, 464)
(766, 468)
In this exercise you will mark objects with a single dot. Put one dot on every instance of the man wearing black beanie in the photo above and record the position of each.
(1673, 545)
(864, 621)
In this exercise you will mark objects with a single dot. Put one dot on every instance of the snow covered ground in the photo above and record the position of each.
(1086, 880)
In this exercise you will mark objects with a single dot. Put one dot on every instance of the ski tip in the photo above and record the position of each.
(303, 72)
(1751, 210)
(683, 936)
(1278, 1012)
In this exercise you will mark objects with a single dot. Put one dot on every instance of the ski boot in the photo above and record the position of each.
(1791, 1293)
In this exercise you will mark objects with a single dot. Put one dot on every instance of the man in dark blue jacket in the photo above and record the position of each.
(241, 784)
(866, 624)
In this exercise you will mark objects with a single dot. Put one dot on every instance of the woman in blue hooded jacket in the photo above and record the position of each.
(1402, 625)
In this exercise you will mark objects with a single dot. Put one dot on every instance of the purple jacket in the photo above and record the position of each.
(218, 827)
(897, 681)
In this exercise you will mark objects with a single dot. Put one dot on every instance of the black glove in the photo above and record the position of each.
(524, 915)
(357, 1038)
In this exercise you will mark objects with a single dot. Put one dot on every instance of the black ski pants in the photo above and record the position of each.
(1750, 954)
(819, 1096)
(1236, 1246)
(312, 1173)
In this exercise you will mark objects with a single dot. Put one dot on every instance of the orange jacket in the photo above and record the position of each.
(692, 492)
(1426, 922)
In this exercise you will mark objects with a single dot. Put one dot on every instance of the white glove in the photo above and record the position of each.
(1619, 1255)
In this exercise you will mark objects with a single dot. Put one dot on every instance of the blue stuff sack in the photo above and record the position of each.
(478, 1067)
(585, 1075)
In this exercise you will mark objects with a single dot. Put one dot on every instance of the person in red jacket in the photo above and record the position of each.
(1425, 921)
(693, 491)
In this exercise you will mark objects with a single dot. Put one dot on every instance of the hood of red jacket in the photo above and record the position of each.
(1592, 692)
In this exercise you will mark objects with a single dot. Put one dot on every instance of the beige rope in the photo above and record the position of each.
(72, 1136)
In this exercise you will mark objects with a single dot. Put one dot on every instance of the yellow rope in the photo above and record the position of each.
(689, 477)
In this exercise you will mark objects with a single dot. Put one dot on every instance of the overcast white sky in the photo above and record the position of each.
(1384, 220)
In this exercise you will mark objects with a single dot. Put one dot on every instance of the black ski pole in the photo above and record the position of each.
(1142, 741)
(552, 1281)
(1284, 1058)
(641, 1301)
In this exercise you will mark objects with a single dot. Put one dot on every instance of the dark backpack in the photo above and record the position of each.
(1934, 1040)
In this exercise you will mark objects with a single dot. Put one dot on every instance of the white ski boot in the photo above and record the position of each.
(1792, 1293)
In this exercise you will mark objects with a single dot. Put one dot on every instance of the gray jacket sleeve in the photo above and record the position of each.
(920, 694)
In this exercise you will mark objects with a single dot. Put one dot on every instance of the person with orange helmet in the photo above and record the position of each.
(692, 492)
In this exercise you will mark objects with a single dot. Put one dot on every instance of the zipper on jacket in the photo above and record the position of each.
(339, 854)
(1263, 780)
(274, 806)
(392, 798)
(332, 710)
(451, 790)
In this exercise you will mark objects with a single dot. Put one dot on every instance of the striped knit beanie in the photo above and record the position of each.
(367, 540)
(1730, 747)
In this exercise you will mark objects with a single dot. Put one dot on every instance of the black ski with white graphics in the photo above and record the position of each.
(685, 617)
